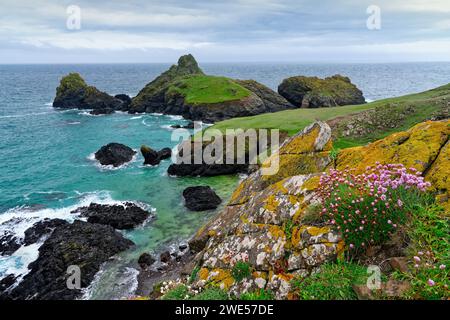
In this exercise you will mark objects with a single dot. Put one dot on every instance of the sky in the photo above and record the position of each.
(143, 31)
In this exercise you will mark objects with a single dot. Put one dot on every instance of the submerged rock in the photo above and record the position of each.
(313, 92)
(146, 260)
(101, 111)
(201, 198)
(153, 157)
(74, 93)
(114, 154)
(81, 244)
(122, 217)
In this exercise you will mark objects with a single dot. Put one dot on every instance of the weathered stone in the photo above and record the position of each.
(201, 198)
(399, 263)
(146, 260)
(114, 154)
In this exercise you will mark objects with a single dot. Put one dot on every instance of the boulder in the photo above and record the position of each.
(185, 90)
(6, 283)
(122, 217)
(313, 92)
(201, 198)
(114, 154)
(146, 260)
(41, 229)
(126, 101)
(153, 157)
(74, 93)
(165, 257)
(81, 244)
(9, 244)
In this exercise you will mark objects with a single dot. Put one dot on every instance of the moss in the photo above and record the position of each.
(178, 293)
(202, 89)
(71, 82)
(212, 293)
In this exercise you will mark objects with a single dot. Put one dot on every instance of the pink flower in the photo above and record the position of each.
(430, 282)
(442, 266)
(399, 203)
(416, 258)
(351, 245)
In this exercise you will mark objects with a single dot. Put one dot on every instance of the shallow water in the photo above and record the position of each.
(47, 168)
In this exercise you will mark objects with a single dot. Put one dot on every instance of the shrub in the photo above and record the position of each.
(257, 295)
(368, 208)
(241, 270)
(180, 292)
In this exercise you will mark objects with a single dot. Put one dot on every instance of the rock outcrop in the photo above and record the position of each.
(267, 223)
(122, 217)
(9, 244)
(81, 244)
(312, 92)
(185, 90)
(74, 93)
(153, 157)
(114, 154)
(201, 198)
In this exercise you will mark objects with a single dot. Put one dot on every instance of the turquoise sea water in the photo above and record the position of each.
(46, 165)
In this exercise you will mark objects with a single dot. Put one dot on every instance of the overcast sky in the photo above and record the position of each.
(35, 31)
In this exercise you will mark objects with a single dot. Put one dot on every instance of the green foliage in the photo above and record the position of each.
(241, 270)
(257, 295)
(177, 293)
(198, 89)
(430, 245)
(288, 226)
(333, 282)
(72, 81)
(194, 274)
(211, 293)
(334, 153)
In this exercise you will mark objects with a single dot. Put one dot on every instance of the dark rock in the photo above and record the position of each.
(99, 111)
(205, 170)
(81, 244)
(9, 244)
(41, 229)
(126, 101)
(153, 157)
(146, 260)
(74, 93)
(165, 257)
(198, 242)
(312, 92)
(164, 153)
(7, 282)
(190, 125)
(182, 246)
(201, 198)
(120, 217)
(114, 154)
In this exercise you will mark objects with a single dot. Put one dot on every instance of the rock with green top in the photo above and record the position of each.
(74, 93)
(313, 92)
(186, 90)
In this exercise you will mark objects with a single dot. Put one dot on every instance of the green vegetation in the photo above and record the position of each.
(199, 89)
(72, 81)
(405, 111)
(288, 227)
(211, 293)
(257, 295)
(194, 274)
(241, 270)
(333, 282)
(178, 293)
(429, 253)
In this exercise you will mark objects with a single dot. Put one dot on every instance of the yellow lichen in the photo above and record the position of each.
(203, 274)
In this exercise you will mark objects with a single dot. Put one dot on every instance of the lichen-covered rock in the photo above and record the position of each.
(312, 92)
(74, 93)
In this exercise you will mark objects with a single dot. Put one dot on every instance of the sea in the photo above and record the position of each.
(47, 167)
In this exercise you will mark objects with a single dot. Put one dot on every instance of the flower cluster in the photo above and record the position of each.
(425, 261)
(188, 290)
(369, 207)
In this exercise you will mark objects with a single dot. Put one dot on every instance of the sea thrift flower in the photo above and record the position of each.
(430, 282)
(442, 266)
(416, 258)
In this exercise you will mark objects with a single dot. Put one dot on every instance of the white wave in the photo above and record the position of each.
(86, 113)
(49, 104)
(174, 117)
(135, 118)
(73, 123)
(167, 127)
(24, 115)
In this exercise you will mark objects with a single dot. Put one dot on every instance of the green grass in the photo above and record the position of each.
(258, 295)
(199, 89)
(178, 293)
(212, 293)
(292, 121)
(241, 270)
(333, 282)
(430, 241)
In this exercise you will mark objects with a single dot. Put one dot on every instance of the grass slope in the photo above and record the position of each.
(199, 89)
(292, 121)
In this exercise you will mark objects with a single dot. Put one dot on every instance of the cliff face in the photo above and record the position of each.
(267, 222)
